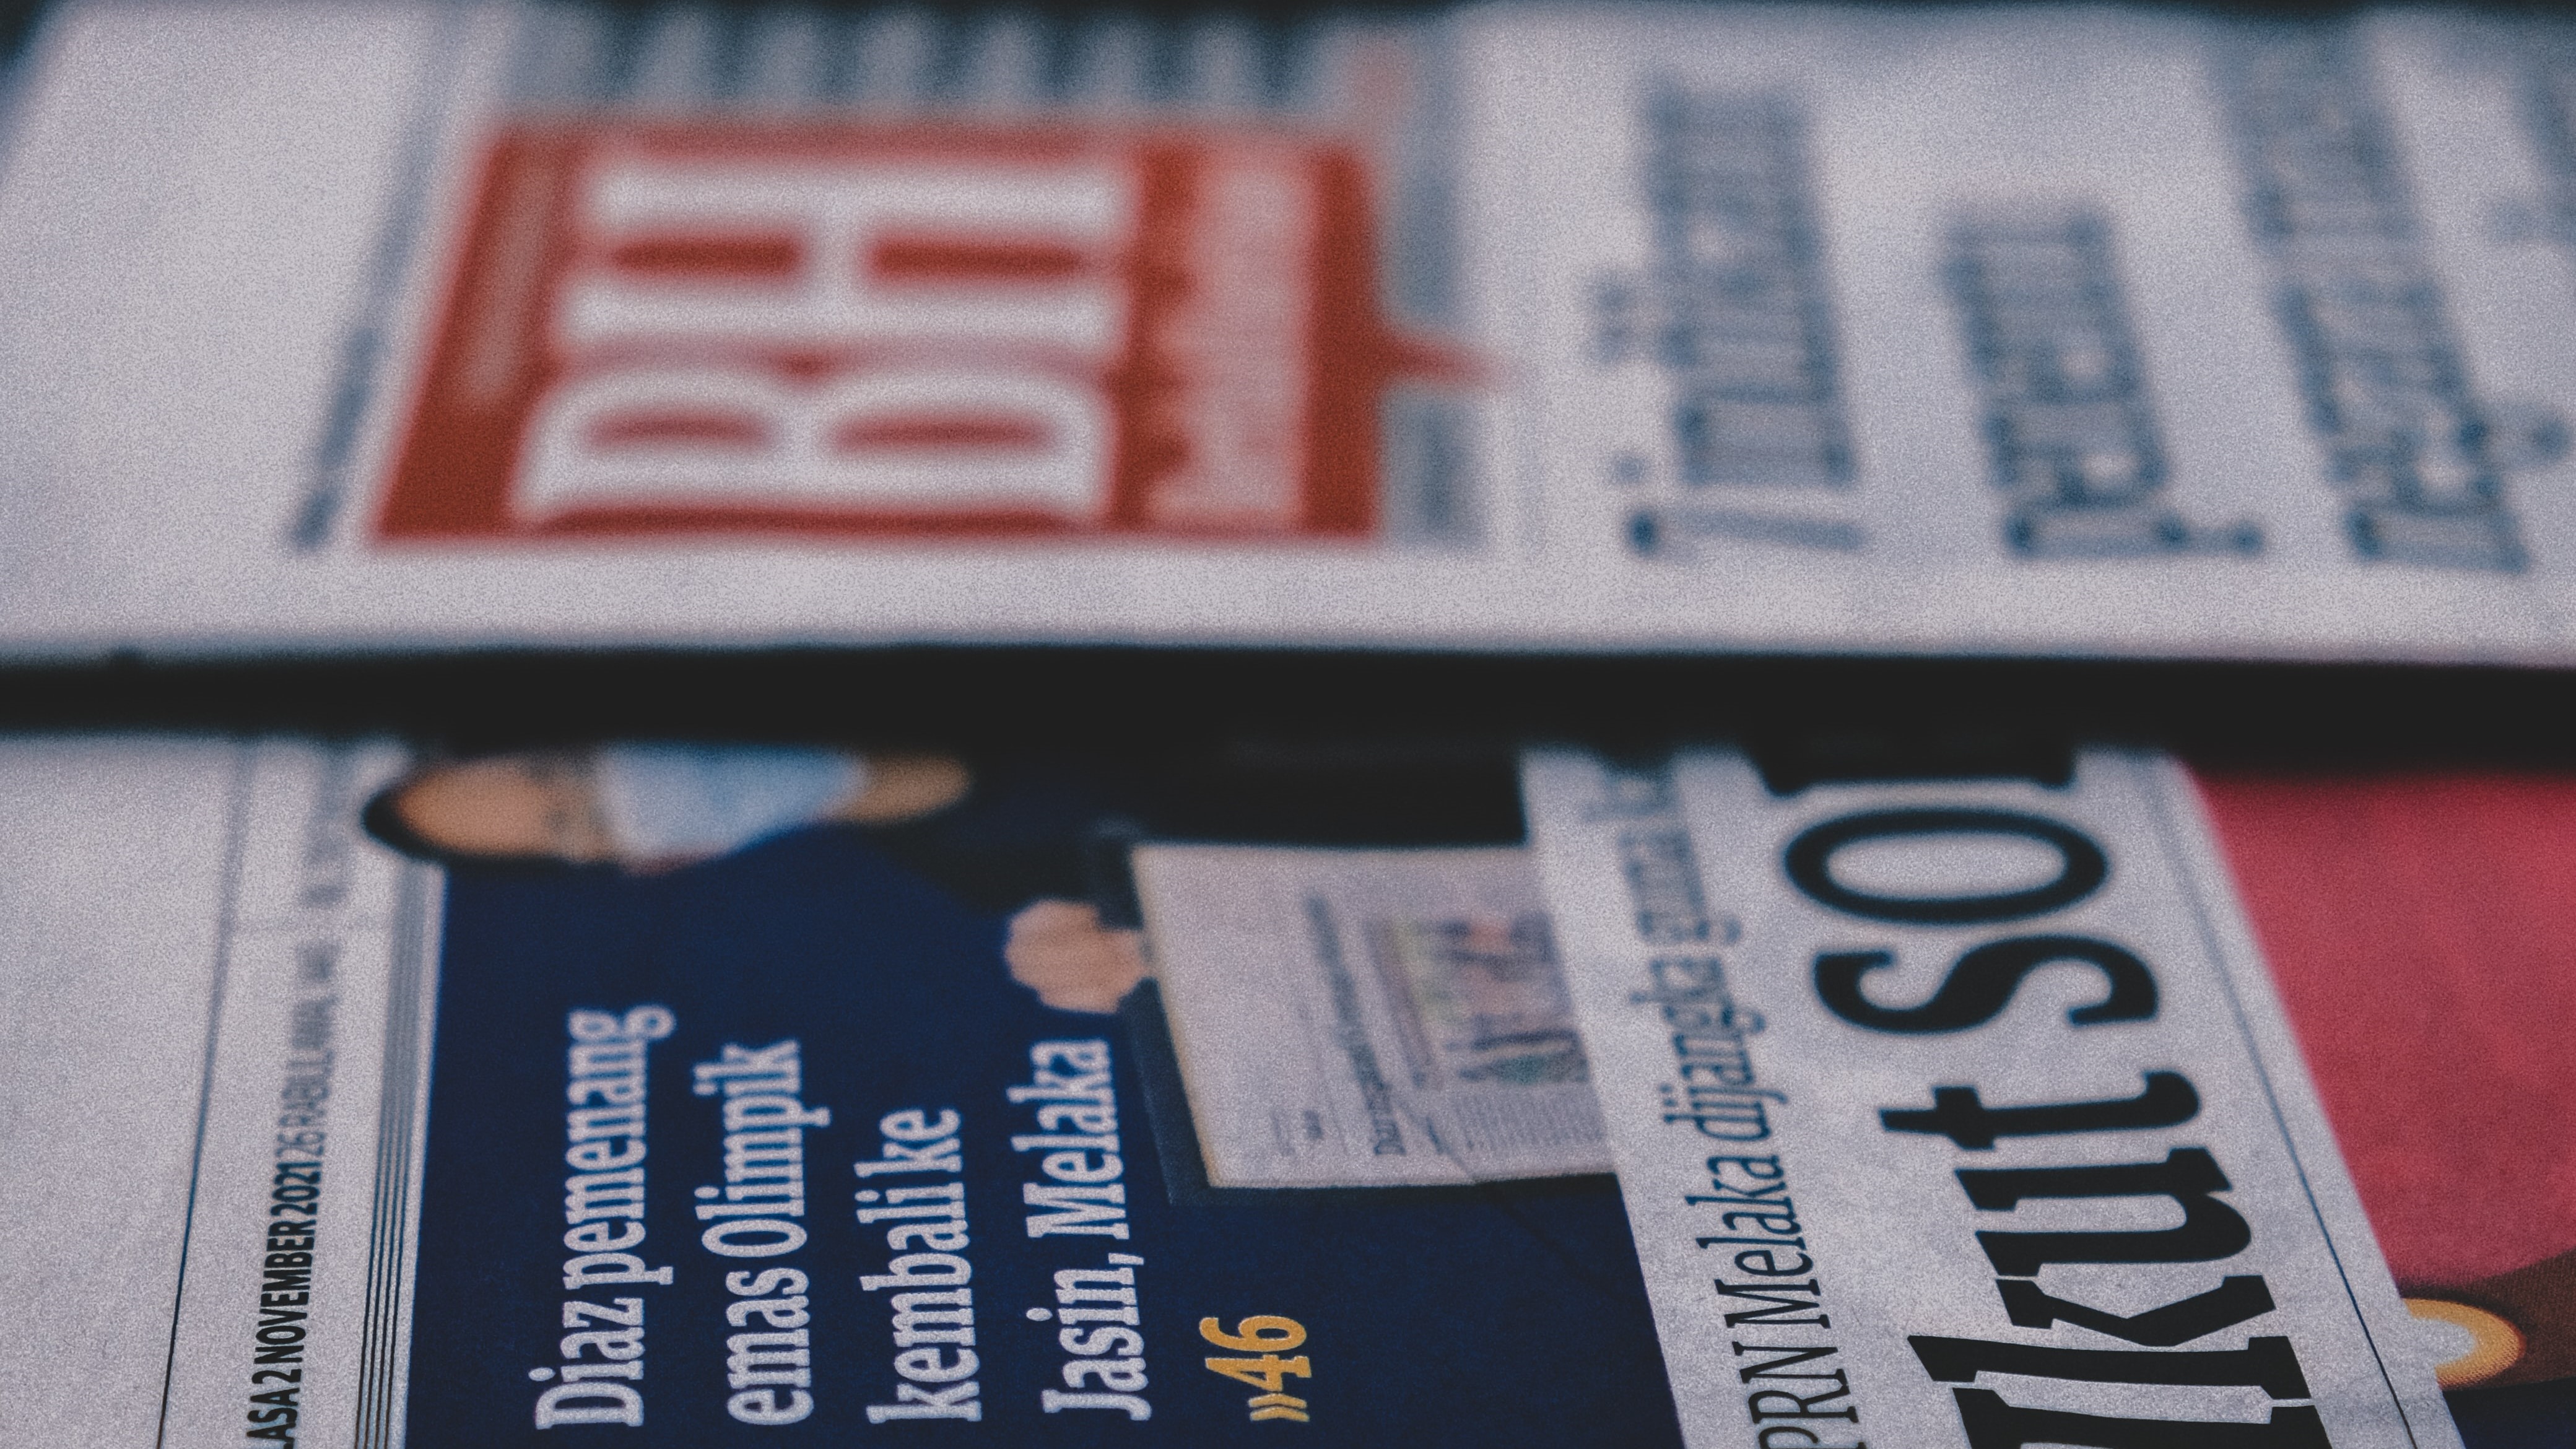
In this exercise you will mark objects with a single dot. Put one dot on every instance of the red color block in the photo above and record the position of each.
(2422, 928)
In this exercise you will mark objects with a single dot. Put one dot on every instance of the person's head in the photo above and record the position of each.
(647, 806)
(531, 806)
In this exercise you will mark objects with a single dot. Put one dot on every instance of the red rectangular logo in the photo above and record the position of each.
(677, 328)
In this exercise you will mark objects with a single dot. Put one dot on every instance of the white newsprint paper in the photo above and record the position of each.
(1963, 1113)
(357, 324)
(1364, 1018)
(214, 999)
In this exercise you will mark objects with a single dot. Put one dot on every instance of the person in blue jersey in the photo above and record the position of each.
(649, 807)
(657, 805)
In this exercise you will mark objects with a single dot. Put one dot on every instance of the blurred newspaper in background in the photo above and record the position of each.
(2069, 331)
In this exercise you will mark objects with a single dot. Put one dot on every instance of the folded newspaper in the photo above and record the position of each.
(686, 1094)
(2074, 331)
(1969, 1112)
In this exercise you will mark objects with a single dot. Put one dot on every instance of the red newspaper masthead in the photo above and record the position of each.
(682, 328)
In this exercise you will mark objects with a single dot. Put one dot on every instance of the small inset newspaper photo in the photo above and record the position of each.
(1348, 1018)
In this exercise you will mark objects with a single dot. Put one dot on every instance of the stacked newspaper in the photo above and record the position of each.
(400, 323)
(357, 1094)
(693, 1094)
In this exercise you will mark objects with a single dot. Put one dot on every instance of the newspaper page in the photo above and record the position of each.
(1354, 1018)
(662, 1093)
(1967, 1113)
(1593, 327)
(218, 1013)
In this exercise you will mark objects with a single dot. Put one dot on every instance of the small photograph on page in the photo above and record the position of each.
(797, 1090)
(1369, 1017)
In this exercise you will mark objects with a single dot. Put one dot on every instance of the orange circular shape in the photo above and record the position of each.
(2495, 1344)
